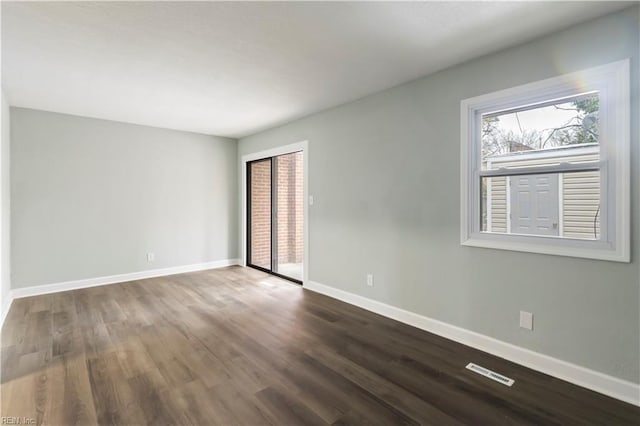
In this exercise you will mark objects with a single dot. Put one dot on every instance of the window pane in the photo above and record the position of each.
(548, 134)
(260, 214)
(289, 198)
(556, 205)
(581, 205)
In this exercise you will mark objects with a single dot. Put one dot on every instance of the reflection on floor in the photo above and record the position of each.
(292, 270)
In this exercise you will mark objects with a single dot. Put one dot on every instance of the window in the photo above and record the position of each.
(545, 166)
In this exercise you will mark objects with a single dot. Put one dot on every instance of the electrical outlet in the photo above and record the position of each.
(310, 200)
(370, 280)
(151, 257)
(526, 320)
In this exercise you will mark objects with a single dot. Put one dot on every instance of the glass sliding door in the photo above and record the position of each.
(275, 204)
(289, 219)
(259, 173)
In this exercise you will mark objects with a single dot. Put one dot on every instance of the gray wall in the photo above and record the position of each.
(5, 231)
(384, 173)
(91, 197)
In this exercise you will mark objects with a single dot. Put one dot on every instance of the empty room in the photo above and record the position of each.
(320, 213)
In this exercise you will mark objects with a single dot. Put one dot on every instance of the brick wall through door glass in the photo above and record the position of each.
(261, 213)
(289, 196)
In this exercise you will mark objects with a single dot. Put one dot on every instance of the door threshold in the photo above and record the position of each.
(293, 280)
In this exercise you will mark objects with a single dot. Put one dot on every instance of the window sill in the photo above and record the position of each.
(585, 249)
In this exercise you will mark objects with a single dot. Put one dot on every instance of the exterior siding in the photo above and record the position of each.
(580, 202)
(579, 192)
(498, 187)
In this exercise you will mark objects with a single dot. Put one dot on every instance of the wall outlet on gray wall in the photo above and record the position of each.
(151, 257)
(526, 320)
(370, 280)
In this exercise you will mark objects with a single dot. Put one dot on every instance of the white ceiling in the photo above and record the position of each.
(232, 69)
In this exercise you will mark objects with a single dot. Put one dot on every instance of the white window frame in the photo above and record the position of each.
(612, 83)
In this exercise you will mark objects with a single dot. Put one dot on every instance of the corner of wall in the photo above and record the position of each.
(5, 209)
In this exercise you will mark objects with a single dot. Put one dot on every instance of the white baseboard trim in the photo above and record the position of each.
(581, 376)
(17, 293)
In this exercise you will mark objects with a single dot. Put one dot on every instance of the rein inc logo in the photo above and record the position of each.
(17, 420)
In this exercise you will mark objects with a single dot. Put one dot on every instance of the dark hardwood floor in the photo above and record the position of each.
(236, 346)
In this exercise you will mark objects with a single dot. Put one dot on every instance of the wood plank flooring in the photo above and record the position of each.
(237, 346)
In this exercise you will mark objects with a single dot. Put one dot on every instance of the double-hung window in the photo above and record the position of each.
(545, 166)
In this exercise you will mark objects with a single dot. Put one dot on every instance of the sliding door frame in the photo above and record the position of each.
(271, 214)
(245, 228)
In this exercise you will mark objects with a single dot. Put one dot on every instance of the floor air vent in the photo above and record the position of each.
(490, 374)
